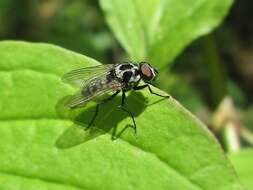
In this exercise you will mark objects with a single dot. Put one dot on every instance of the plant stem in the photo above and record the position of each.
(217, 83)
(231, 138)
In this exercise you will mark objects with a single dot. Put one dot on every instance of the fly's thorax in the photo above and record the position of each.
(127, 73)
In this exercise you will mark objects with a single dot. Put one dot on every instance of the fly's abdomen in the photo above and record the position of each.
(92, 88)
(99, 86)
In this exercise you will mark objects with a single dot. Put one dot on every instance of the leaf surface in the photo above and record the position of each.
(242, 162)
(44, 145)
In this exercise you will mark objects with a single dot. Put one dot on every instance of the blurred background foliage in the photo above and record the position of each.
(213, 77)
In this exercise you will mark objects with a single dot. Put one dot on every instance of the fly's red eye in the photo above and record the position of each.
(146, 71)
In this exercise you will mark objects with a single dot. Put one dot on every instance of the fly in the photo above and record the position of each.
(112, 78)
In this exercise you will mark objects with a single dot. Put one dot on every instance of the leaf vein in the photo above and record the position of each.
(46, 180)
(165, 163)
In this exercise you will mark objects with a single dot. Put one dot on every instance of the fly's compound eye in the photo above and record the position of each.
(147, 72)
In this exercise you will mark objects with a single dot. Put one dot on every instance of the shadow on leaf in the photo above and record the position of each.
(109, 116)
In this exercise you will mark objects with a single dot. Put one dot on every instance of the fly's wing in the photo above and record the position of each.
(81, 77)
(92, 82)
(86, 95)
(76, 100)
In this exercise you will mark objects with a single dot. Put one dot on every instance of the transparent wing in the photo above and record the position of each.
(76, 100)
(85, 95)
(81, 77)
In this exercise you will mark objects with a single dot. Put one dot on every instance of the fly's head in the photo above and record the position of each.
(147, 72)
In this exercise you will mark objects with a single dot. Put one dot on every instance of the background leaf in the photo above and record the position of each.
(158, 30)
(242, 162)
(172, 149)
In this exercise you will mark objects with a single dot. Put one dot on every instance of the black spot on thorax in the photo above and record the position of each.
(125, 67)
(126, 76)
(137, 72)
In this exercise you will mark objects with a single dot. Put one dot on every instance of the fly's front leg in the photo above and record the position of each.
(125, 110)
(98, 105)
(150, 90)
(123, 98)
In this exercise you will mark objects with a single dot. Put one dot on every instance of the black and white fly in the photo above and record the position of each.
(99, 80)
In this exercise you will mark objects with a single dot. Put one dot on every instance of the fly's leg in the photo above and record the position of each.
(98, 105)
(125, 110)
(150, 90)
(123, 98)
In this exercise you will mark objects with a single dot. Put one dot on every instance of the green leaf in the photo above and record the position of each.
(242, 162)
(185, 93)
(157, 30)
(40, 145)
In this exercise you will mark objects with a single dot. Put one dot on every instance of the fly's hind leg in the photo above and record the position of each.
(98, 106)
(125, 110)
